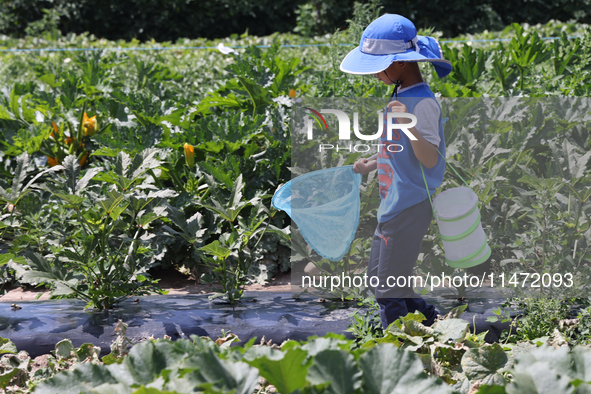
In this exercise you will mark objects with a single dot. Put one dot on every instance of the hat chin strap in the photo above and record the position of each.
(396, 84)
(387, 76)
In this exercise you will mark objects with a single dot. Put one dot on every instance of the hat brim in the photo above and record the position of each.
(357, 62)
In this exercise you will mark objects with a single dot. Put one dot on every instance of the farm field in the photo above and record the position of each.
(121, 158)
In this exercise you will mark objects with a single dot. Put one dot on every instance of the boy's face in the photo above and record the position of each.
(392, 73)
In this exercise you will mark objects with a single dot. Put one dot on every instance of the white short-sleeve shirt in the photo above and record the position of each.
(428, 114)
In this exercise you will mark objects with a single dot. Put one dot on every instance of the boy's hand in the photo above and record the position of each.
(397, 106)
(364, 166)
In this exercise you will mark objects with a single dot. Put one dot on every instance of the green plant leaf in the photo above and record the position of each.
(5, 114)
(23, 162)
(127, 171)
(416, 316)
(577, 162)
(414, 328)
(538, 378)
(20, 174)
(211, 146)
(6, 346)
(88, 350)
(338, 368)
(72, 172)
(122, 163)
(483, 364)
(114, 204)
(559, 359)
(582, 363)
(523, 347)
(221, 174)
(194, 226)
(486, 389)
(216, 249)
(144, 219)
(236, 194)
(7, 257)
(142, 162)
(316, 345)
(6, 377)
(456, 312)
(50, 80)
(65, 287)
(454, 329)
(191, 229)
(64, 349)
(82, 379)
(288, 373)
(139, 202)
(215, 375)
(73, 200)
(145, 363)
(42, 271)
(82, 183)
(177, 217)
(387, 369)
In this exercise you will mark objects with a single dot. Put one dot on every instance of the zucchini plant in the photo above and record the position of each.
(102, 251)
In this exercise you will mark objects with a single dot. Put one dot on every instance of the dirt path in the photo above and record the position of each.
(173, 281)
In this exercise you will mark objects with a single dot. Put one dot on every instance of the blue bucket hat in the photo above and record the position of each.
(393, 38)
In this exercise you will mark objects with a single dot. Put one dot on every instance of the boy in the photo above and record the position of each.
(390, 49)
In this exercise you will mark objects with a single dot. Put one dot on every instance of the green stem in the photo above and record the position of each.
(81, 294)
(85, 267)
(544, 237)
(572, 237)
(175, 180)
(516, 161)
(82, 220)
(133, 242)
(117, 256)
(156, 180)
(508, 335)
(346, 270)
(242, 285)
(10, 219)
(254, 106)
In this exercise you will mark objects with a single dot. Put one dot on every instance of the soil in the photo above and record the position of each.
(171, 280)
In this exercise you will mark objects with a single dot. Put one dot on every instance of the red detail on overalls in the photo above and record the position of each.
(385, 152)
(395, 132)
(385, 240)
(385, 175)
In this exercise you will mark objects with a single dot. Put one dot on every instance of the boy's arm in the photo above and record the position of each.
(425, 151)
(364, 166)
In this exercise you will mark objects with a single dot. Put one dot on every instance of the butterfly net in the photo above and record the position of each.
(325, 206)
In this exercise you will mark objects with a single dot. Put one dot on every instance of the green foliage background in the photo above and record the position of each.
(169, 20)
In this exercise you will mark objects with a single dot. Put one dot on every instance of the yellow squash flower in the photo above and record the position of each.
(83, 160)
(54, 133)
(189, 155)
(88, 125)
(52, 161)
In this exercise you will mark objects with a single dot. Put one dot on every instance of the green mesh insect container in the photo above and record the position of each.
(458, 218)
